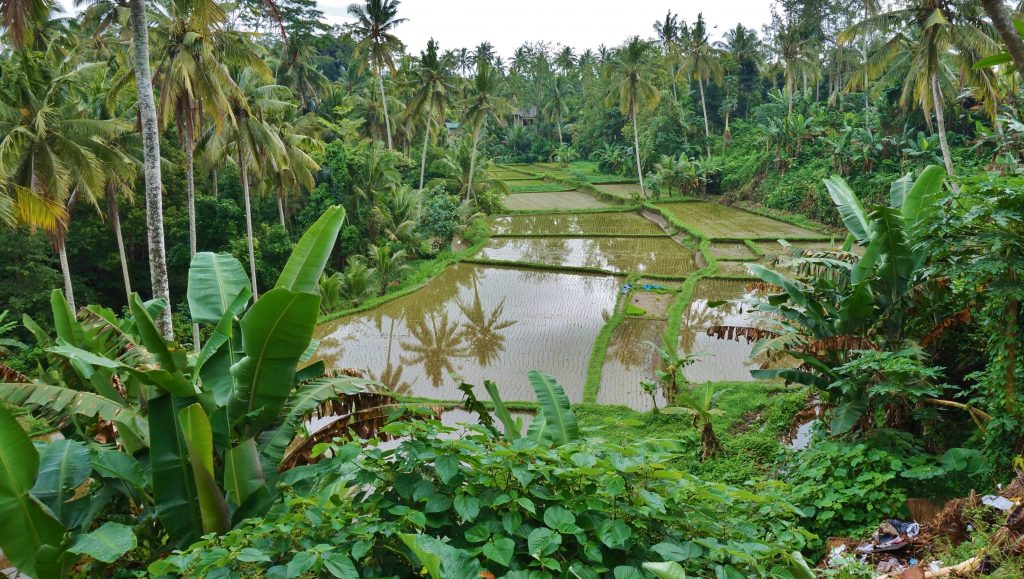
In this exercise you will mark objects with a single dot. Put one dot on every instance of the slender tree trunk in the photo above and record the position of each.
(636, 149)
(426, 143)
(213, 182)
(115, 222)
(190, 190)
(190, 185)
(789, 95)
(867, 91)
(472, 165)
(1004, 25)
(561, 141)
(384, 106)
(726, 134)
(940, 120)
(151, 163)
(280, 209)
(244, 171)
(65, 272)
(707, 128)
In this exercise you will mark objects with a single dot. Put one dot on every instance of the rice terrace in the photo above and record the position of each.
(532, 290)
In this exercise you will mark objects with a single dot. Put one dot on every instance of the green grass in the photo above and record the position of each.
(756, 416)
(552, 200)
(721, 222)
(534, 186)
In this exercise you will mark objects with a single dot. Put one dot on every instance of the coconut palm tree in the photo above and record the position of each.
(557, 89)
(192, 52)
(701, 63)
(431, 99)
(298, 173)
(796, 56)
(628, 71)
(376, 43)
(933, 47)
(251, 139)
(458, 172)
(52, 153)
(298, 70)
(667, 33)
(389, 265)
(485, 104)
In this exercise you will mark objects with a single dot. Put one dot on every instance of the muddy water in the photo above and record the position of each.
(653, 255)
(721, 359)
(630, 360)
(579, 224)
(478, 322)
(720, 221)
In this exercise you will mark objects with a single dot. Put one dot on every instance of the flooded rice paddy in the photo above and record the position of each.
(620, 223)
(480, 323)
(651, 255)
(722, 222)
(719, 359)
(552, 200)
(632, 358)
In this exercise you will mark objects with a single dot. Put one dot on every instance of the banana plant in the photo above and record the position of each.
(214, 425)
(555, 424)
(863, 302)
(700, 402)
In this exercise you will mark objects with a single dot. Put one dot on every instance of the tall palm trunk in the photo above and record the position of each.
(244, 171)
(65, 272)
(115, 222)
(213, 182)
(280, 208)
(940, 120)
(151, 163)
(190, 194)
(472, 165)
(707, 128)
(636, 146)
(1003, 23)
(561, 141)
(426, 143)
(384, 106)
(789, 95)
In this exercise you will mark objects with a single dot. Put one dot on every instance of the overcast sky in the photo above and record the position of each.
(578, 23)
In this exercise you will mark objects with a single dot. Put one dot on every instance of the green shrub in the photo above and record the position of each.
(515, 509)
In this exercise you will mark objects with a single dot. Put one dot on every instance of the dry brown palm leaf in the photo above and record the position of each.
(842, 342)
(8, 374)
(738, 333)
(763, 287)
(961, 317)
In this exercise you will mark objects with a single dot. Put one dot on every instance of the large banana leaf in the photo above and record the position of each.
(26, 525)
(302, 271)
(921, 199)
(64, 320)
(215, 280)
(243, 473)
(560, 424)
(63, 466)
(513, 428)
(168, 357)
(174, 490)
(856, 309)
(173, 382)
(195, 429)
(899, 189)
(276, 331)
(895, 260)
(850, 208)
(66, 402)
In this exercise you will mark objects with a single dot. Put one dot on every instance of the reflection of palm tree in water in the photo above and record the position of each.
(436, 342)
(700, 316)
(481, 329)
(391, 375)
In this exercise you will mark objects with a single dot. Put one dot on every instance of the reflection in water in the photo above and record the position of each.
(631, 359)
(654, 255)
(477, 322)
(578, 224)
(721, 359)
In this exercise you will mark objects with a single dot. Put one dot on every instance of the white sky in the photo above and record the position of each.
(581, 24)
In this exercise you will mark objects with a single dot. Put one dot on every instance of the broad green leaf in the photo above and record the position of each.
(626, 572)
(275, 332)
(107, 544)
(340, 565)
(850, 208)
(467, 506)
(27, 524)
(118, 465)
(513, 428)
(500, 550)
(302, 271)
(993, 60)
(666, 570)
(554, 404)
(856, 309)
(428, 560)
(67, 402)
(64, 321)
(673, 552)
(243, 473)
(63, 466)
(167, 359)
(899, 189)
(215, 280)
(846, 415)
(174, 490)
(195, 428)
(920, 201)
(447, 466)
(614, 534)
(543, 541)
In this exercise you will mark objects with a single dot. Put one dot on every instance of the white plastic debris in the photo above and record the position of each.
(1002, 503)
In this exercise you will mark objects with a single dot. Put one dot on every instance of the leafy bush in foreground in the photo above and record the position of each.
(460, 506)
